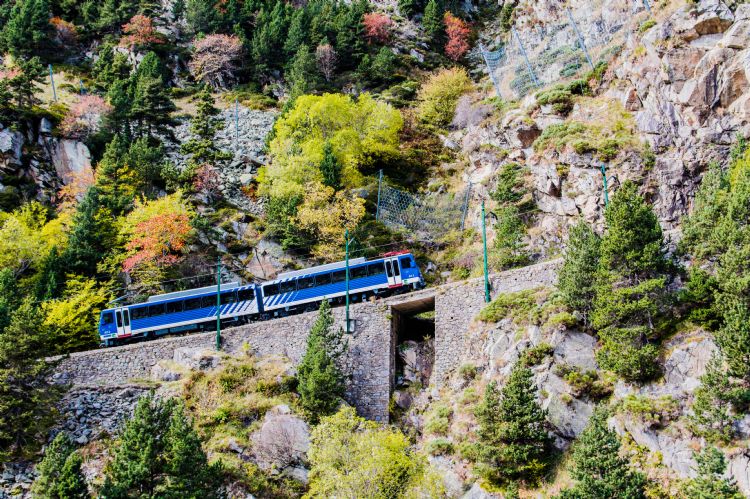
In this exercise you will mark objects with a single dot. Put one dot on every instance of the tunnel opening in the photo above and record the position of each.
(413, 355)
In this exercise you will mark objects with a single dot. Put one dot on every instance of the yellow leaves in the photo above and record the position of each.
(73, 318)
(26, 236)
(325, 215)
(439, 95)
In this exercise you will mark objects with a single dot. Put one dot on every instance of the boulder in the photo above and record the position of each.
(71, 159)
(477, 492)
(687, 361)
(197, 358)
(11, 144)
(707, 17)
(282, 441)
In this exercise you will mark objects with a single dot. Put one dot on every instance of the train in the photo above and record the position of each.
(292, 292)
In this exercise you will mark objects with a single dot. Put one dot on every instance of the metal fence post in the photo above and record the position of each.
(525, 58)
(580, 38)
(237, 123)
(484, 243)
(490, 72)
(466, 206)
(218, 303)
(647, 4)
(380, 185)
(52, 81)
(606, 190)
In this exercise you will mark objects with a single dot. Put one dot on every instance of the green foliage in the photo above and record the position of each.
(203, 126)
(432, 21)
(115, 180)
(352, 457)
(631, 291)
(151, 105)
(439, 447)
(383, 65)
(60, 475)
(577, 277)
(533, 356)
(584, 383)
(513, 441)
(321, 383)
(92, 236)
(598, 469)
(159, 453)
(467, 371)
(330, 167)
(506, 14)
(409, 8)
(718, 404)
(511, 187)
(440, 93)
(303, 72)
(508, 249)
(438, 422)
(27, 30)
(711, 482)
(26, 400)
(699, 298)
(652, 411)
(520, 306)
(560, 97)
(646, 25)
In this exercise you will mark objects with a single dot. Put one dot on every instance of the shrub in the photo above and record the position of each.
(655, 412)
(458, 33)
(215, 59)
(584, 383)
(439, 447)
(646, 25)
(510, 184)
(439, 421)
(377, 27)
(534, 356)
(468, 371)
(439, 95)
(140, 32)
(85, 117)
(520, 306)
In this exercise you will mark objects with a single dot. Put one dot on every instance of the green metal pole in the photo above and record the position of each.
(606, 189)
(52, 82)
(346, 236)
(218, 303)
(486, 273)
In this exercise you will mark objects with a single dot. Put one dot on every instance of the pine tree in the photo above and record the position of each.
(50, 278)
(513, 442)
(408, 8)
(9, 296)
(383, 65)
(321, 383)
(92, 236)
(115, 180)
(734, 336)
(330, 167)
(110, 66)
(60, 475)
(204, 125)
(433, 24)
(28, 30)
(598, 469)
(147, 162)
(303, 72)
(631, 290)
(297, 34)
(349, 31)
(23, 87)
(152, 108)
(26, 400)
(711, 482)
(576, 279)
(261, 46)
(158, 452)
(202, 16)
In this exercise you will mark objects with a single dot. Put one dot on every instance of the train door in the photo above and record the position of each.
(122, 320)
(393, 271)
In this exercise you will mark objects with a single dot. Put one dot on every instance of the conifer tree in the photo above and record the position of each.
(204, 125)
(9, 296)
(60, 475)
(50, 278)
(513, 442)
(576, 279)
(28, 30)
(23, 87)
(302, 74)
(598, 469)
(152, 108)
(201, 16)
(26, 400)
(383, 65)
(261, 46)
(330, 167)
(321, 383)
(92, 236)
(115, 180)
(433, 24)
(297, 34)
(147, 162)
(631, 291)
(159, 454)
(711, 482)
(349, 30)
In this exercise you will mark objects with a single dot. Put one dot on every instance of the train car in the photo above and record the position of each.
(182, 311)
(303, 290)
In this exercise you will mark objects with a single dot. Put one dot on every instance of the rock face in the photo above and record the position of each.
(282, 441)
(71, 159)
(243, 135)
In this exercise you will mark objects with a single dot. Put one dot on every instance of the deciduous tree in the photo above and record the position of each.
(458, 33)
(140, 33)
(326, 57)
(85, 117)
(377, 27)
(215, 59)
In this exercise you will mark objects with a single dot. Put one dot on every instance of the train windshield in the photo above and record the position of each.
(107, 318)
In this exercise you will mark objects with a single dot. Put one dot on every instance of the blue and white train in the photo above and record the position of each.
(291, 292)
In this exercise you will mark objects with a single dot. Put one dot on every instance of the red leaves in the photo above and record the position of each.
(377, 27)
(215, 59)
(158, 240)
(140, 31)
(84, 117)
(458, 32)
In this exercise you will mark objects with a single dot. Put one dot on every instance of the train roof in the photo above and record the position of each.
(319, 268)
(190, 292)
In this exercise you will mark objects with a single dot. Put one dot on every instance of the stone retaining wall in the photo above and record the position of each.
(369, 361)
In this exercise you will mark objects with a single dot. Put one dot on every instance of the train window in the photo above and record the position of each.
(174, 307)
(246, 294)
(192, 303)
(375, 268)
(107, 318)
(227, 298)
(358, 272)
(139, 313)
(288, 286)
(338, 276)
(270, 289)
(389, 268)
(208, 301)
(305, 282)
(155, 310)
(405, 262)
(126, 317)
(322, 279)
(395, 268)
(119, 318)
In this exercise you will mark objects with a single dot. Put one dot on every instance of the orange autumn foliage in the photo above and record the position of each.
(158, 240)
(458, 33)
(140, 31)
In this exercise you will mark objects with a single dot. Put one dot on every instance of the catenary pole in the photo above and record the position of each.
(346, 237)
(380, 186)
(484, 243)
(606, 189)
(218, 303)
(52, 82)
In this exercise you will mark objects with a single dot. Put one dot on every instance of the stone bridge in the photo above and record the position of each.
(370, 358)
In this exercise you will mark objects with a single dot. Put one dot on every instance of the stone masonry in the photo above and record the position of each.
(370, 357)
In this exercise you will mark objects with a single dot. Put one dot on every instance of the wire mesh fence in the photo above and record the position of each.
(426, 217)
(529, 57)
